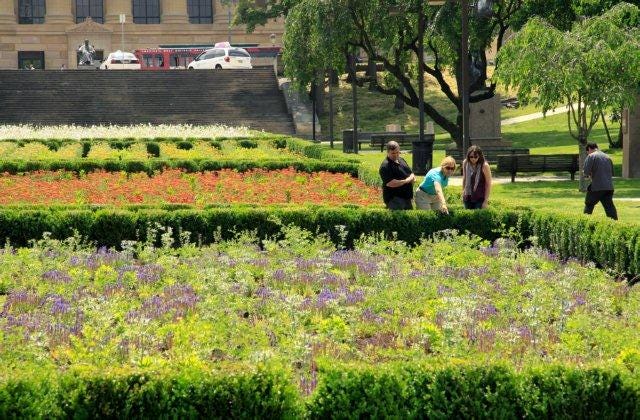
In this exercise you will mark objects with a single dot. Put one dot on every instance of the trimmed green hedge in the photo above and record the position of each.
(259, 394)
(493, 392)
(190, 165)
(400, 391)
(609, 244)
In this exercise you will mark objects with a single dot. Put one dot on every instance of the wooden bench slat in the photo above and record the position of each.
(490, 153)
(403, 139)
(537, 163)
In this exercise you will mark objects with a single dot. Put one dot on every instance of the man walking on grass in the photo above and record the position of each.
(599, 168)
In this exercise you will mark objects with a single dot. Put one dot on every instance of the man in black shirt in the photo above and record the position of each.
(397, 180)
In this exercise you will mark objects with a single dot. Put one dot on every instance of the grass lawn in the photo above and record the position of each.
(549, 135)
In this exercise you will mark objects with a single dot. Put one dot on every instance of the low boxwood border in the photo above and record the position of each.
(609, 244)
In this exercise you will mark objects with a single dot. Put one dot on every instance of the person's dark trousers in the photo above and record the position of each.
(606, 198)
(473, 205)
(397, 203)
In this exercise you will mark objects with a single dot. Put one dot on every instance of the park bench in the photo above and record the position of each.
(403, 139)
(490, 153)
(538, 163)
(364, 137)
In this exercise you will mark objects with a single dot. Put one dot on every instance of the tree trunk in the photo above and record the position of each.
(398, 103)
(372, 74)
(620, 141)
(333, 78)
(319, 93)
(582, 155)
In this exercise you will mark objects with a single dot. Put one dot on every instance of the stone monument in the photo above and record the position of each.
(484, 123)
(85, 54)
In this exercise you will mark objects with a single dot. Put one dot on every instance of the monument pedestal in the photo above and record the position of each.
(88, 67)
(484, 123)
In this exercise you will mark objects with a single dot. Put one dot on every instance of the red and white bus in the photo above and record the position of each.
(170, 58)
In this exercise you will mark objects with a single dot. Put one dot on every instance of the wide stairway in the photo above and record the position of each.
(248, 98)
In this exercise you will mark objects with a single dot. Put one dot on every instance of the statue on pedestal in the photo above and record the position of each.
(86, 53)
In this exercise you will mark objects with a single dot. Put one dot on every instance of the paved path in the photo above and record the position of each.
(534, 116)
(457, 179)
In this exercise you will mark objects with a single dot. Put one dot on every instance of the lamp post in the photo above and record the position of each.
(464, 62)
(421, 73)
(464, 66)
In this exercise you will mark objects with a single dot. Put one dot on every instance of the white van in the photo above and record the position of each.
(120, 60)
(223, 57)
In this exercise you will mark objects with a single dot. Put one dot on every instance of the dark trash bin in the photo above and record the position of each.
(422, 154)
(347, 141)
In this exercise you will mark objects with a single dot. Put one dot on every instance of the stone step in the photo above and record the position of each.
(244, 97)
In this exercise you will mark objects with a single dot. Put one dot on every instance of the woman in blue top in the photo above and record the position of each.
(429, 195)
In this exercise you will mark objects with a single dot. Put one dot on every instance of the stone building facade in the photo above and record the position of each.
(47, 33)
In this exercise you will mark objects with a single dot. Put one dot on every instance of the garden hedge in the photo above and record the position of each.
(399, 391)
(611, 245)
(190, 165)
(263, 393)
(495, 392)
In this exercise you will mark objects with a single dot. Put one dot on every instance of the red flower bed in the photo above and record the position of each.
(174, 186)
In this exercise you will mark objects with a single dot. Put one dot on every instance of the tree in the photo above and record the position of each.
(592, 68)
(323, 32)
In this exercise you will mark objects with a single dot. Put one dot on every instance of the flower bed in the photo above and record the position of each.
(301, 299)
(140, 150)
(122, 132)
(175, 186)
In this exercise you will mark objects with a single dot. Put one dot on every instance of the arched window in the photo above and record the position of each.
(86, 8)
(146, 11)
(31, 11)
(200, 11)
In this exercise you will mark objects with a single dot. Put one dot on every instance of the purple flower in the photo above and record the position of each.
(304, 264)
(525, 333)
(60, 306)
(369, 316)
(279, 274)
(356, 296)
(177, 300)
(579, 298)
(56, 276)
(483, 313)
(263, 292)
(324, 297)
(442, 289)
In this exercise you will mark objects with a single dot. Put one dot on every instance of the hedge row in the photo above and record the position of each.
(196, 394)
(190, 165)
(343, 392)
(492, 392)
(55, 143)
(609, 244)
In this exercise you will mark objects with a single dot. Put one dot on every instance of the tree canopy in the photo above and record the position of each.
(591, 68)
(319, 34)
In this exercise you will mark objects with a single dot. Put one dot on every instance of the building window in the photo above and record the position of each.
(31, 11)
(92, 8)
(200, 11)
(146, 11)
(31, 60)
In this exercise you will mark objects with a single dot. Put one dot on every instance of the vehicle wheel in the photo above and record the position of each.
(218, 67)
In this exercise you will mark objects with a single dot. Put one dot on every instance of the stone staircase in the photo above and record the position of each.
(232, 97)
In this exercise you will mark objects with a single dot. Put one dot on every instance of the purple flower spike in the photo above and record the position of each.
(56, 276)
